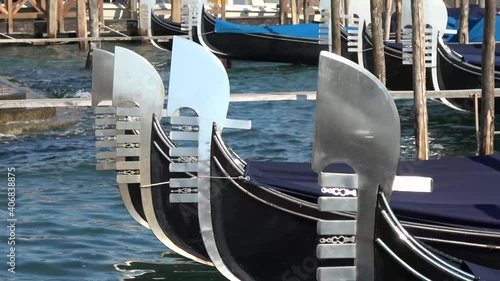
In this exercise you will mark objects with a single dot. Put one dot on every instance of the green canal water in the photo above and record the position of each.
(71, 224)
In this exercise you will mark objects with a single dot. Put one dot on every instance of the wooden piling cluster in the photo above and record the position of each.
(486, 121)
(47, 16)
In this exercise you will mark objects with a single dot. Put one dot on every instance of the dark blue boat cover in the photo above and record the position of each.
(466, 190)
(486, 273)
(305, 30)
(471, 53)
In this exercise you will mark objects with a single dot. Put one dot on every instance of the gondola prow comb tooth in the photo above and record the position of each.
(435, 18)
(202, 105)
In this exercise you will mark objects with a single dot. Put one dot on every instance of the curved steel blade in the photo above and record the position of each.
(102, 76)
(357, 123)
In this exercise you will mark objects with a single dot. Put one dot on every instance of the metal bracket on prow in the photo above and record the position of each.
(189, 16)
(325, 27)
(435, 18)
(208, 97)
(360, 18)
(430, 45)
(146, 9)
(136, 92)
(325, 30)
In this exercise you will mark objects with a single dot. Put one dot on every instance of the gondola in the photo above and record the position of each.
(459, 67)
(399, 76)
(435, 231)
(260, 235)
(121, 127)
(240, 43)
(163, 27)
(296, 44)
(102, 93)
(160, 27)
(466, 237)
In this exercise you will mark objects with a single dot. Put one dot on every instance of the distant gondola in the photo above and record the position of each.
(297, 44)
(239, 42)
(163, 27)
(459, 68)
(399, 76)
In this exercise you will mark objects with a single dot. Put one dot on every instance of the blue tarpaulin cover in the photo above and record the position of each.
(466, 189)
(476, 24)
(306, 30)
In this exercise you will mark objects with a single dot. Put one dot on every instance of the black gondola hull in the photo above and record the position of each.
(454, 74)
(263, 47)
(178, 221)
(259, 238)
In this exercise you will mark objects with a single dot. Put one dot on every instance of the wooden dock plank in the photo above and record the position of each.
(238, 97)
(96, 39)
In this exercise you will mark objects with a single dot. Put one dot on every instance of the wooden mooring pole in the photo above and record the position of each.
(52, 19)
(488, 81)
(94, 31)
(295, 12)
(388, 16)
(399, 11)
(223, 9)
(132, 8)
(378, 39)
(305, 10)
(419, 98)
(346, 12)
(464, 22)
(175, 12)
(283, 15)
(81, 19)
(144, 14)
(335, 19)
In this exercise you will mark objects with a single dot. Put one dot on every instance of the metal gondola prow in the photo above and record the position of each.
(126, 93)
(102, 101)
(209, 99)
(350, 128)
(357, 124)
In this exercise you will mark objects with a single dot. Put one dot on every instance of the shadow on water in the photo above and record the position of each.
(175, 269)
